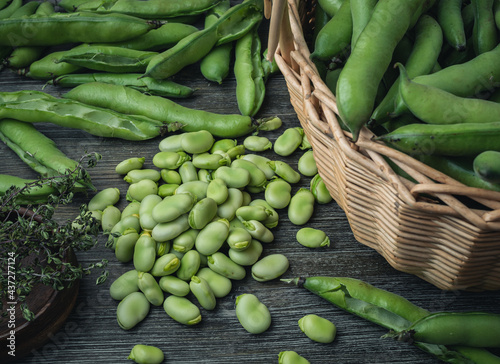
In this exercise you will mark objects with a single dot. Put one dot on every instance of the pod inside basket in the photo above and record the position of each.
(422, 227)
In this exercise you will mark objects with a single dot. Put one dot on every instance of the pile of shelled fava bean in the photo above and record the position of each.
(191, 226)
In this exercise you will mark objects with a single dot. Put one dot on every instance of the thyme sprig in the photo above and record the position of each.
(34, 246)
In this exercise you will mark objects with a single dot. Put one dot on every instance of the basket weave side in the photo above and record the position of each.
(419, 228)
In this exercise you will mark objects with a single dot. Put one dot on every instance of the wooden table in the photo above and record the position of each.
(92, 335)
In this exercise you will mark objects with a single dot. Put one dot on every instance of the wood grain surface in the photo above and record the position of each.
(91, 334)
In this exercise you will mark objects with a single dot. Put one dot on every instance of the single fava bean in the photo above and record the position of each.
(171, 143)
(253, 212)
(182, 310)
(252, 314)
(273, 219)
(257, 177)
(170, 160)
(165, 231)
(198, 188)
(137, 191)
(257, 143)
(261, 162)
(167, 189)
(188, 172)
(319, 190)
(220, 285)
(111, 215)
(227, 209)
(238, 239)
(288, 141)
(146, 207)
(171, 207)
(318, 328)
(185, 241)
(259, 231)
(165, 265)
(149, 286)
(270, 267)
(211, 238)
(124, 285)
(285, 171)
(312, 238)
(291, 357)
(132, 208)
(174, 285)
(202, 213)
(223, 145)
(146, 354)
(104, 198)
(144, 253)
(171, 176)
(232, 176)
(190, 264)
(307, 164)
(203, 293)
(132, 309)
(222, 264)
(136, 175)
(217, 190)
(129, 164)
(301, 207)
(249, 256)
(278, 193)
(196, 142)
(210, 161)
(125, 245)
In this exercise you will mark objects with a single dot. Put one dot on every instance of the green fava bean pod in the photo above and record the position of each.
(108, 196)
(132, 309)
(250, 85)
(165, 265)
(124, 285)
(172, 207)
(129, 164)
(111, 215)
(307, 164)
(291, 357)
(211, 238)
(252, 314)
(249, 256)
(232, 176)
(203, 293)
(149, 286)
(361, 11)
(190, 264)
(222, 264)
(165, 231)
(196, 142)
(318, 328)
(278, 193)
(476, 329)
(288, 141)
(202, 213)
(217, 190)
(170, 160)
(125, 245)
(270, 267)
(182, 310)
(259, 231)
(67, 28)
(144, 253)
(285, 171)
(257, 143)
(358, 82)
(319, 190)
(220, 285)
(136, 175)
(449, 16)
(301, 207)
(227, 209)
(139, 190)
(146, 354)
(312, 238)
(174, 285)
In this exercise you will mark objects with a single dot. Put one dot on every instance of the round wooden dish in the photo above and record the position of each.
(51, 309)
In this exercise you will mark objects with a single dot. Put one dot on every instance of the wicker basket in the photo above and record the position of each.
(420, 228)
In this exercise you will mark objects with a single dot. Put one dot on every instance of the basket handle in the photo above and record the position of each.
(280, 33)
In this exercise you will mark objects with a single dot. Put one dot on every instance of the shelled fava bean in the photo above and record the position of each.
(192, 226)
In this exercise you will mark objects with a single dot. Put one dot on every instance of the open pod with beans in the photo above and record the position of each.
(397, 99)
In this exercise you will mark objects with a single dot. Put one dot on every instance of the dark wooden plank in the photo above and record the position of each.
(91, 334)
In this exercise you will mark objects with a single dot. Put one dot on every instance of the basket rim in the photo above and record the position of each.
(291, 54)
